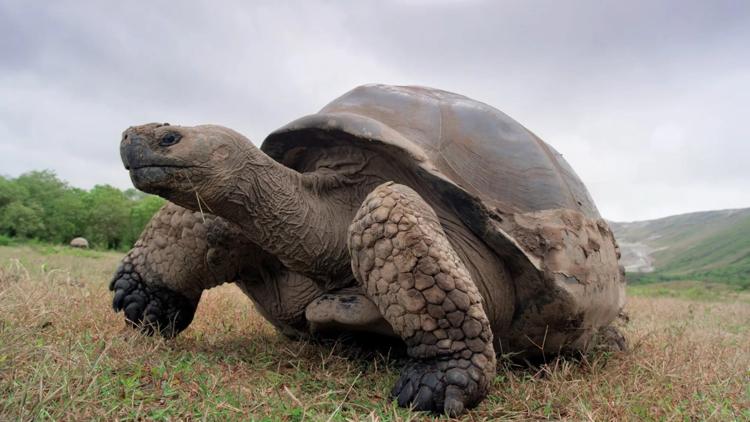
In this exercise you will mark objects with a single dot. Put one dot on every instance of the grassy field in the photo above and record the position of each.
(64, 355)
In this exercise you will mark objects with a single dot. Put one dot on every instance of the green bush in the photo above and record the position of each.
(5, 240)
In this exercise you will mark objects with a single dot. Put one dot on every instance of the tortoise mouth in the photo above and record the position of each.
(158, 179)
(147, 166)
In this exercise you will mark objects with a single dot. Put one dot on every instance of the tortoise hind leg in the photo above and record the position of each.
(409, 269)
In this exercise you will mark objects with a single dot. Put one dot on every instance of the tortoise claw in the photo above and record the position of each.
(440, 386)
(150, 307)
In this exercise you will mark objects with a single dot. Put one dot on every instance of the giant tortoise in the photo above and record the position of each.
(409, 212)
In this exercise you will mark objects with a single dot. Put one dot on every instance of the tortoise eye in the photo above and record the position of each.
(169, 139)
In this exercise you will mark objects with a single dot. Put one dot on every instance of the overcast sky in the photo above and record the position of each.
(649, 101)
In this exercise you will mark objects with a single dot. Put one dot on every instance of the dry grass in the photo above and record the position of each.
(65, 355)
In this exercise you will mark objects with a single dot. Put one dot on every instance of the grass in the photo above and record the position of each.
(65, 355)
(691, 290)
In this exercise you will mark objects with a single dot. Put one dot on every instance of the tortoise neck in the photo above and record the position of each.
(284, 212)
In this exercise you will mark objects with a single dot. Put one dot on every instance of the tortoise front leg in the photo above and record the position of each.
(180, 253)
(407, 266)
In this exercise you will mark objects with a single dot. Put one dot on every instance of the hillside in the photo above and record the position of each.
(708, 246)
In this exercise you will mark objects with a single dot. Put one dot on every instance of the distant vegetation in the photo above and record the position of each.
(39, 206)
(712, 246)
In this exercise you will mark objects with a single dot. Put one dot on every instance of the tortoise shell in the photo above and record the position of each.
(473, 145)
(507, 185)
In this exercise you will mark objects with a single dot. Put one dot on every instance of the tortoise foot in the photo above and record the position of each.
(441, 386)
(150, 307)
(610, 339)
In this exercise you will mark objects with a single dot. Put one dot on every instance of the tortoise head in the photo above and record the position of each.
(176, 162)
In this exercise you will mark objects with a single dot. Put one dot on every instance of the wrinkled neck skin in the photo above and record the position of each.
(284, 212)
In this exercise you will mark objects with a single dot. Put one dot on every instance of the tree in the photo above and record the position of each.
(19, 220)
(108, 216)
(56, 201)
(10, 191)
(66, 215)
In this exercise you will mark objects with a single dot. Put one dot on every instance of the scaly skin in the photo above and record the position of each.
(179, 254)
(398, 249)
(409, 269)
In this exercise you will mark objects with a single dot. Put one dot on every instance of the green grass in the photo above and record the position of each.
(690, 290)
(737, 278)
(6, 241)
(64, 355)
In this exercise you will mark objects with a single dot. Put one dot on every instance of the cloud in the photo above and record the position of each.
(647, 100)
